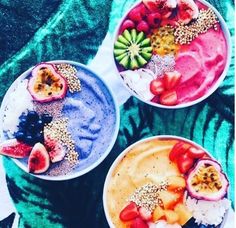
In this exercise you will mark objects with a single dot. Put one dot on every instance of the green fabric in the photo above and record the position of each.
(35, 31)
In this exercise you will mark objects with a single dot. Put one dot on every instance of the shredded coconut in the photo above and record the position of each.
(208, 212)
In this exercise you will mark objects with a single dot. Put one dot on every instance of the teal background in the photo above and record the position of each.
(36, 31)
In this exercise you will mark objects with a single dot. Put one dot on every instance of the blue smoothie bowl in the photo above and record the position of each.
(92, 121)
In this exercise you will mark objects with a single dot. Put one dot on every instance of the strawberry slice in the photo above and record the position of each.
(156, 86)
(184, 163)
(171, 79)
(177, 150)
(138, 223)
(129, 212)
(195, 153)
(145, 214)
(169, 98)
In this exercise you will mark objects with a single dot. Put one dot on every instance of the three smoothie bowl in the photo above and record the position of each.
(59, 120)
(172, 53)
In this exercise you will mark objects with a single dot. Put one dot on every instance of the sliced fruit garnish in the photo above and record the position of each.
(178, 149)
(171, 79)
(176, 183)
(15, 149)
(171, 216)
(207, 181)
(127, 24)
(145, 214)
(183, 213)
(138, 223)
(170, 199)
(129, 212)
(158, 214)
(163, 7)
(46, 84)
(187, 10)
(39, 160)
(157, 86)
(184, 163)
(195, 153)
(55, 149)
(169, 98)
(137, 50)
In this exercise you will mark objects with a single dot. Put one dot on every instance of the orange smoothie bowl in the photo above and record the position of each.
(172, 53)
(165, 182)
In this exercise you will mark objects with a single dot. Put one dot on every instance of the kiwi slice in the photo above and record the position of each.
(132, 49)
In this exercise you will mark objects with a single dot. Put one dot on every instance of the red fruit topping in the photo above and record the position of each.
(155, 99)
(143, 26)
(15, 149)
(135, 15)
(145, 214)
(39, 160)
(171, 22)
(157, 86)
(142, 9)
(177, 150)
(164, 7)
(171, 79)
(138, 223)
(187, 10)
(184, 163)
(169, 98)
(129, 212)
(127, 24)
(195, 153)
(153, 19)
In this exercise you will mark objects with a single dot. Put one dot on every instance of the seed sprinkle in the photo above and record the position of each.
(147, 196)
(161, 64)
(184, 34)
(70, 74)
(57, 130)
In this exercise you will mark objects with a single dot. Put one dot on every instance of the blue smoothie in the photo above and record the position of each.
(92, 118)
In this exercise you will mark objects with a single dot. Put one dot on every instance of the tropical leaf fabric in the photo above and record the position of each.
(36, 31)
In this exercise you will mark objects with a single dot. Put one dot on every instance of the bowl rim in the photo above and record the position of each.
(213, 88)
(104, 154)
(126, 150)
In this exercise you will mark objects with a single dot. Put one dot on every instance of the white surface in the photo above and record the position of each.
(103, 65)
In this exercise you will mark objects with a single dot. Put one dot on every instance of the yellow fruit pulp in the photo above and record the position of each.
(163, 41)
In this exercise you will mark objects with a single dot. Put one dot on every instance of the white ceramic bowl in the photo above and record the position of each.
(111, 139)
(211, 90)
(123, 154)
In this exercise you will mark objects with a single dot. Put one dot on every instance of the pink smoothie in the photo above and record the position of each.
(201, 64)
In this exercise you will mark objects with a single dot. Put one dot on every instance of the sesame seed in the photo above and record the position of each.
(161, 64)
(184, 34)
(147, 196)
(70, 74)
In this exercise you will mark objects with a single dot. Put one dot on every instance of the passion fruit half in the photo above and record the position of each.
(46, 84)
(207, 181)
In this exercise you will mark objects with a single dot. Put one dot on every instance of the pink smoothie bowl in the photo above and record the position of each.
(208, 58)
